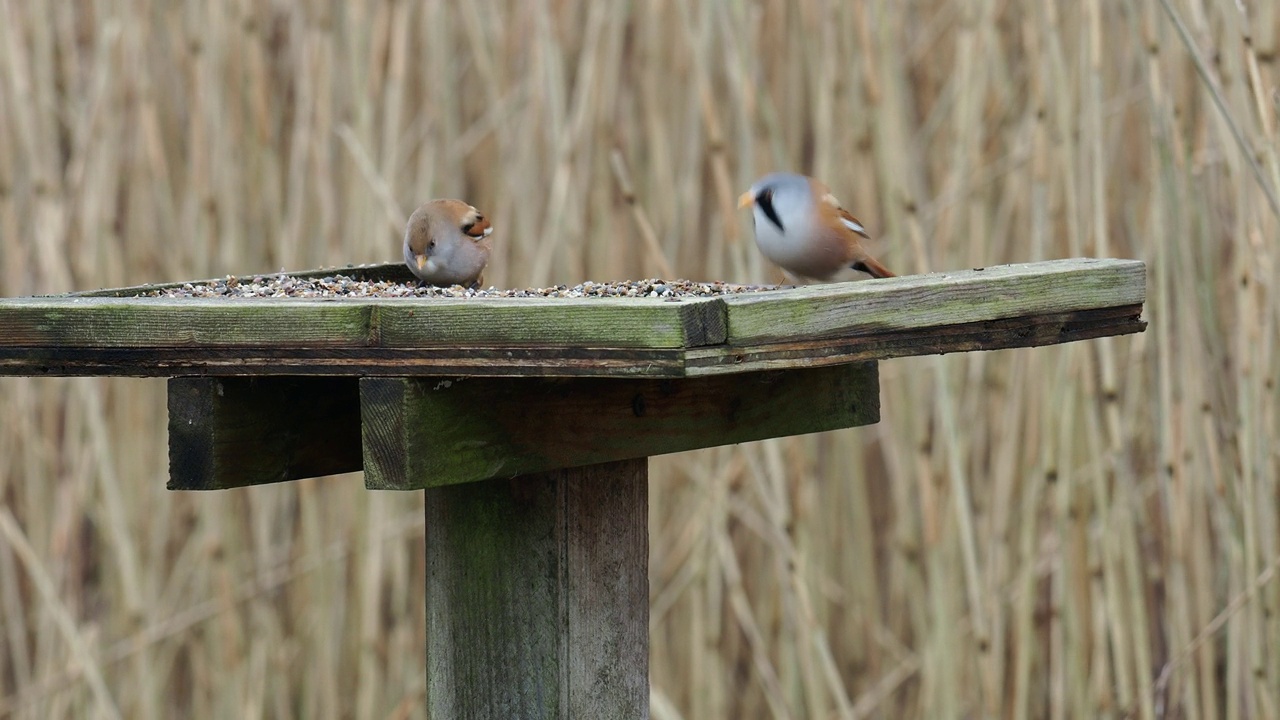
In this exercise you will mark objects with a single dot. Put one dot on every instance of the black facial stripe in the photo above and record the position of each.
(765, 202)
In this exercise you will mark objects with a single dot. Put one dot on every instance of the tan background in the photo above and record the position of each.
(1077, 531)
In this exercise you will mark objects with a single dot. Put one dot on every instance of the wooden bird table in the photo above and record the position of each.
(528, 423)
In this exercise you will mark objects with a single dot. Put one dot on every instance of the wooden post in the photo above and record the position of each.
(538, 595)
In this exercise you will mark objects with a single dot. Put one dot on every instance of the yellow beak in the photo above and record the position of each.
(421, 260)
(746, 199)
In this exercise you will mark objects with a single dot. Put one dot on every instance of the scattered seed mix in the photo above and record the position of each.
(345, 286)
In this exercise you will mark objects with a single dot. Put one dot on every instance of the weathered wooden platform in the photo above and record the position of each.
(528, 423)
(112, 333)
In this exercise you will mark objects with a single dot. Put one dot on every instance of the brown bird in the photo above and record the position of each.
(800, 226)
(447, 243)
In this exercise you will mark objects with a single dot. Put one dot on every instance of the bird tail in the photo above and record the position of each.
(872, 267)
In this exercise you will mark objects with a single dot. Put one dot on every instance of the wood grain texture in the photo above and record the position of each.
(55, 322)
(523, 322)
(163, 323)
(1031, 331)
(537, 596)
(424, 432)
(233, 432)
(935, 299)
(252, 362)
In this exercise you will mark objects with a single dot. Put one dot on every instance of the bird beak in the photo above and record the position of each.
(746, 199)
(421, 260)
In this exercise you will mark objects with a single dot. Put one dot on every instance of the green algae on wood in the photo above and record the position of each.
(425, 432)
(923, 301)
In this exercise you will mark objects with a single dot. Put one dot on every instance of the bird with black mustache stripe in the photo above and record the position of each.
(800, 226)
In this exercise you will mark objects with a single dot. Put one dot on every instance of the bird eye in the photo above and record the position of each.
(431, 244)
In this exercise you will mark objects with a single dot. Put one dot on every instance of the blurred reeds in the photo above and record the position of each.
(1079, 531)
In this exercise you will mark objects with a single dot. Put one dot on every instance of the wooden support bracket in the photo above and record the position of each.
(237, 431)
(412, 433)
(426, 432)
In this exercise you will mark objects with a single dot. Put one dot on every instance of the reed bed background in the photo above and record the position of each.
(1079, 531)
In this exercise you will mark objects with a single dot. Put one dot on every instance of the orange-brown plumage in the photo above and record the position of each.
(801, 227)
(446, 242)
(847, 228)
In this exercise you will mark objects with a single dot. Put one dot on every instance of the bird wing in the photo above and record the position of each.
(845, 217)
(853, 223)
(470, 221)
(477, 228)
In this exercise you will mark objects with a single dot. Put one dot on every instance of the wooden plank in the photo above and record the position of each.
(1033, 331)
(232, 432)
(936, 299)
(253, 362)
(163, 323)
(424, 432)
(583, 322)
(537, 595)
(98, 322)
(1027, 331)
